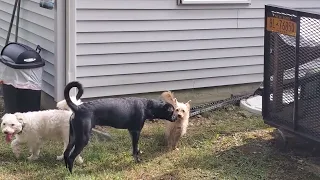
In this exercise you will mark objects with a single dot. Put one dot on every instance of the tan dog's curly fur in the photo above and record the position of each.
(175, 130)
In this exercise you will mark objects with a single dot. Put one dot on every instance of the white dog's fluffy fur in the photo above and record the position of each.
(32, 128)
(64, 106)
(175, 130)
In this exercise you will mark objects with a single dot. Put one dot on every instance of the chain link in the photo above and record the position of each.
(196, 110)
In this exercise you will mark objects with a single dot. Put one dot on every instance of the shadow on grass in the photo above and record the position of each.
(257, 158)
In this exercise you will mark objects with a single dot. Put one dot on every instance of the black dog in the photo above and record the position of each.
(122, 113)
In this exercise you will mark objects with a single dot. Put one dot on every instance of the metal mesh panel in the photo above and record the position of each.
(292, 71)
(282, 63)
(282, 71)
(309, 76)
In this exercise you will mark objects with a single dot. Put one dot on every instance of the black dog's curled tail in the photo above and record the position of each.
(67, 89)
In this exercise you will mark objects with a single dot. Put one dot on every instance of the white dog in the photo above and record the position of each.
(32, 128)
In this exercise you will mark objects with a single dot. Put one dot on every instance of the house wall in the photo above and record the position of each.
(36, 27)
(126, 47)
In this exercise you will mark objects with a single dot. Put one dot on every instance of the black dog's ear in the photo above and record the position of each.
(168, 107)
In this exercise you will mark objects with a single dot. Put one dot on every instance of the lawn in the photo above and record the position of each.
(225, 144)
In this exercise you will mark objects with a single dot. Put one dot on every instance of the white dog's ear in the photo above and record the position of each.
(19, 117)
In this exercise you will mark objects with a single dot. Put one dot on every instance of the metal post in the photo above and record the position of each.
(11, 22)
(296, 76)
(266, 78)
(17, 21)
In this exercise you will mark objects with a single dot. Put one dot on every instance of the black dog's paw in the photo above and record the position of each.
(137, 159)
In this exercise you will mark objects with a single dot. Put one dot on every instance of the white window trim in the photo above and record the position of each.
(214, 1)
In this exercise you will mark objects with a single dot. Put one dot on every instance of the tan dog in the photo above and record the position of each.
(175, 130)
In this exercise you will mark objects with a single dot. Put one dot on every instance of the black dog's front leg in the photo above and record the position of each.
(135, 134)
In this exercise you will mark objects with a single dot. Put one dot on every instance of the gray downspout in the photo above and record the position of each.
(71, 30)
(60, 49)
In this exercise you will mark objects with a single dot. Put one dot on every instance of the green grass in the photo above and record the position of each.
(225, 145)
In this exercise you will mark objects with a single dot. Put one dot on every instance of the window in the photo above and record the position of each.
(214, 1)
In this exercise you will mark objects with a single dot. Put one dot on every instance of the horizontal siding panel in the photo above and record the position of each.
(103, 37)
(169, 76)
(48, 78)
(178, 14)
(48, 88)
(108, 59)
(30, 27)
(2, 42)
(49, 68)
(171, 85)
(167, 46)
(6, 11)
(33, 6)
(172, 4)
(95, 14)
(251, 13)
(129, 69)
(251, 23)
(98, 26)
(32, 38)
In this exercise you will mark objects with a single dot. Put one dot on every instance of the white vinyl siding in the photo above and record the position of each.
(127, 47)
